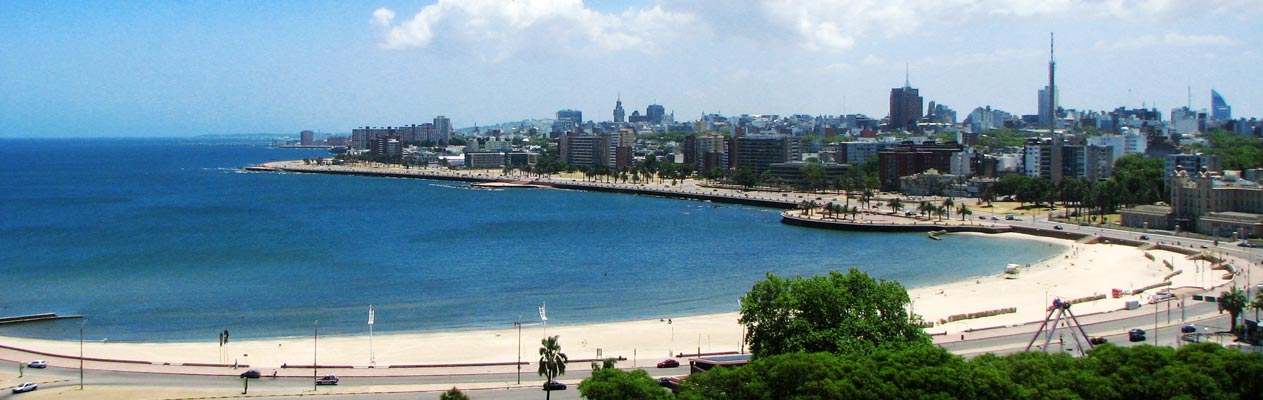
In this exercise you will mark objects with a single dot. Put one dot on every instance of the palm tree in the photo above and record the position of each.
(964, 211)
(1233, 302)
(552, 362)
(948, 203)
(925, 208)
(896, 205)
(940, 211)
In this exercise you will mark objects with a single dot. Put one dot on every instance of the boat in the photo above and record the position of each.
(935, 234)
(1011, 271)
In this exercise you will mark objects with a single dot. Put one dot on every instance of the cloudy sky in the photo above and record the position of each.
(168, 68)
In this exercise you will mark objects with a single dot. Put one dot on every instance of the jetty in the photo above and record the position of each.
(35, 317)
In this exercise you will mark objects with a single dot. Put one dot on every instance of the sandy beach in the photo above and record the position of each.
(1080, 271)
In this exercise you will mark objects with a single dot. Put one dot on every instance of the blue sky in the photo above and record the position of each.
(188, 68)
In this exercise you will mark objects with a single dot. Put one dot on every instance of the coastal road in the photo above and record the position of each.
(1115, 331)
(488, 386)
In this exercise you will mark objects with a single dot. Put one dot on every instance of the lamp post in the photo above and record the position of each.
(518, 324)
(315, 338)
(81, 323)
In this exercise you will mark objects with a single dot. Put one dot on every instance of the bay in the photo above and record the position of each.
(168, 240)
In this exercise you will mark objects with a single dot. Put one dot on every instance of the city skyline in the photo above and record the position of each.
(185, 69)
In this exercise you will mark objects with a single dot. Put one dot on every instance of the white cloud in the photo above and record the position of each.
(505, 28)
(382, 17)
(1169, 40)
(830, 25)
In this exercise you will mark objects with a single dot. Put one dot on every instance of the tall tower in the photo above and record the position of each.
(1052, 86)
(905, 105)
(619, 114)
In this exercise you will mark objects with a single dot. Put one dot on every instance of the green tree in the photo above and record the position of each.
(838, 313)
(745, 177)
(896, 205)
(1234, 302)
(453, 394)
(813, 176)
(1141, 179)
(947, 205)
(964, 211)
(552, 362)
(616, 384)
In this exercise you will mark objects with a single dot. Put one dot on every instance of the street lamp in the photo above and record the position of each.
(518, 324)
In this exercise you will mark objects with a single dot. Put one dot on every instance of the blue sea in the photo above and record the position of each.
(169, 240)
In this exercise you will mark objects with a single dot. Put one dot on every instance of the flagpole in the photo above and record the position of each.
(372, 357)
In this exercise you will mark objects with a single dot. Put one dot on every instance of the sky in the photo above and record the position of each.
(187, 68)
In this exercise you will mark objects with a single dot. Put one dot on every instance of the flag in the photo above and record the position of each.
(370, 314)
(543, 316)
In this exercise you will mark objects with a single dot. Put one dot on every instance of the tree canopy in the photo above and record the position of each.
(616, 384)
(1196, 371)
(848, 313)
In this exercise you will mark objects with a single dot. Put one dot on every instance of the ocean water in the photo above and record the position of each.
(168, 240)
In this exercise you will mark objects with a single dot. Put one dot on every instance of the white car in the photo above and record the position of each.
(25, 387)
(38, 364)
(1161, 297)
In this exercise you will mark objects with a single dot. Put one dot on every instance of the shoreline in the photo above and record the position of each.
(494, 349)
(1080, 270)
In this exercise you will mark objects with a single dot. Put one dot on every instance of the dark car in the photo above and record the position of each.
(327, 380)
(251, 374)
(1136, 335)
(1059, 227)
(1245, 244)
(1144, 237)
(669, 363)
(554, 385)
(1098, 340)
(1190, 328)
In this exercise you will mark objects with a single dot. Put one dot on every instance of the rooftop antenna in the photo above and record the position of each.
(906, 82)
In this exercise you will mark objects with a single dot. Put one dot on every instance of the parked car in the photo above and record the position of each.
(1144, 237)
(1190, 328)
(327, 380)
(669, 363)
(25, 387)
(554, 385)
(1136, 335)
(1059, 227)
(251, 374)
(38, 364)
(1161, 297)
(1098, 340)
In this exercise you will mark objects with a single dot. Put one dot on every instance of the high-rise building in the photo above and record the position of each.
(758, 152)
(619, 114)
(1219, 109)
(1048, 100)
(307, 138)
(567, 121)
(655, 113)
(905, 106)
(910, 158)
(442, 129)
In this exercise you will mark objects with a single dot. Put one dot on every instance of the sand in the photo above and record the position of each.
(1081, 270)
